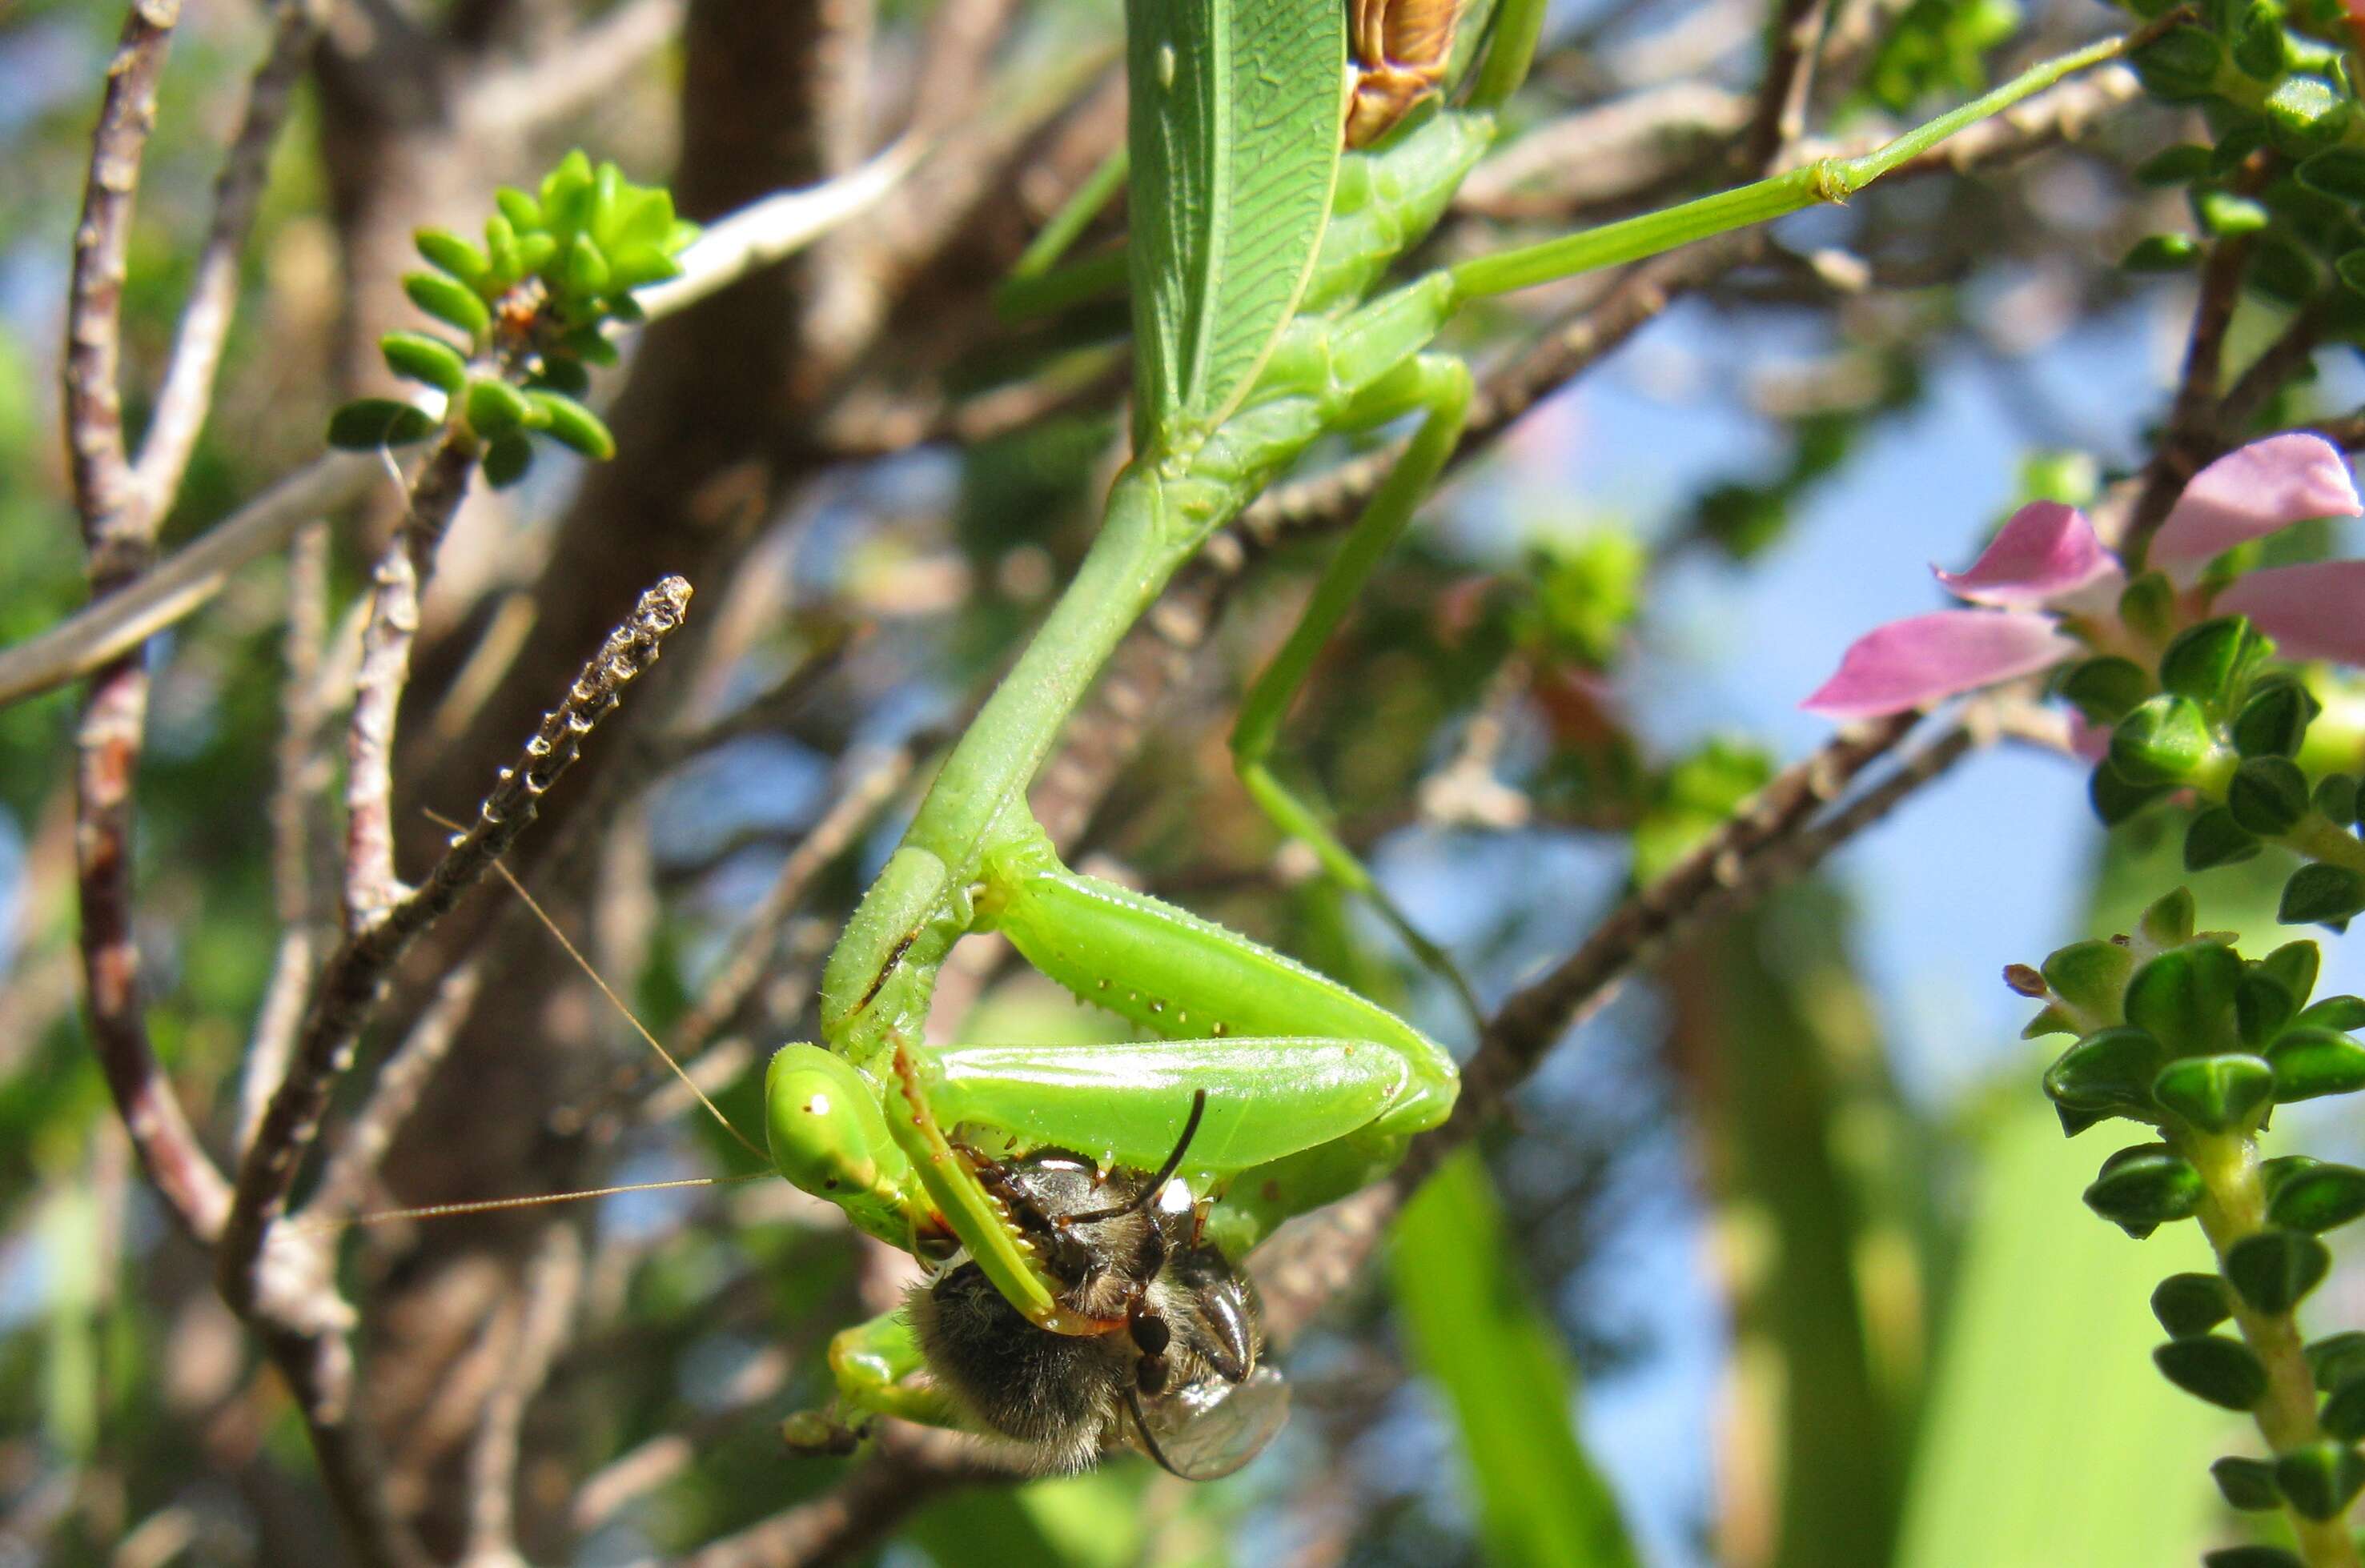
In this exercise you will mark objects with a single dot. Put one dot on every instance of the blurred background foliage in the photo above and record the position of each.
(1780, 1260)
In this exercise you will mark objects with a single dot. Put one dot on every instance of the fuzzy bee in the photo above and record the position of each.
(1176, 1373)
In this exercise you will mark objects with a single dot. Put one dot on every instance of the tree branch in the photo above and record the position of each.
(187, 392)
(355, 974)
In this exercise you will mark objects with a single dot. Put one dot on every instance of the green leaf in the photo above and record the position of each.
(2226, 215)
(2213, 838)
(567, 194)
(2258, 43)
(2273, 1173)
(2162, 253)
(2163, 740)
(1477, 1331)
(2343, 1013)
(641, 268)
(2310, 1062)
(2295, 965)
(2262, 1008)
(2343, 1415)
(2320, 1479)
(2249, 1557)
(495, 407)
(585, 272)
(2187, 1305)
(2209, 663)
(2306, 115)
(2145, 1187)
(2319, 1198)
(415, 356)
(524, 212)
(2178, 65)
(2178, 165)
(367, 423)
(569, 423)
(2216, 1093)
(2350, 268)
(2185, 995)
(507, 458)
(2281, 271)
(2105, 688)
(2149, 604)
(2247, 1483)
(2336, 797)
(2110, 1069)
(2115, 800)
(2273, 719)
(2337, 1358)
(2168, 920)
(454, 255)
(1235, 147)
(449, 302)
(2214, 1368)
(2274, 1270)
(2049, 1020)
(560, 374)
(2268, 795)
(2090, 975)
(2322, 894)
(2336, 172)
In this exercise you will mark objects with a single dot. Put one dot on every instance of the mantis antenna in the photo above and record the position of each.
(492, 1205)
(617, 1001)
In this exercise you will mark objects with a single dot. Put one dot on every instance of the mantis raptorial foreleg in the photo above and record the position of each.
(1438, 385)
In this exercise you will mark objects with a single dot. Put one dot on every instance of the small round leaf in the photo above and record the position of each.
(2318, 1198)
(507, 458)
(367, 423)
(2274, 1270)
(2187, 1305)
(2268, 795)
(2216, 1093)
(2309, 1062)
(495, 407)
(449, 302)
(2322, 894)
(2320, 1479)
(2214, 1368)
(571, 424)
(2247, 1483)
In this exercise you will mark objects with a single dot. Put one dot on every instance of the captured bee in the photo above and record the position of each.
(1176, 1373)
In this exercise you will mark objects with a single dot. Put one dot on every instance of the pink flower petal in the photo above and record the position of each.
(1908, 664)
(2046, 552)
(2248, 494)
(2315, 612)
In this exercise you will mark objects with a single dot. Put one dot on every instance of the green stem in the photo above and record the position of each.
(2318, 837)
(2236, 1207)
(1825, 180)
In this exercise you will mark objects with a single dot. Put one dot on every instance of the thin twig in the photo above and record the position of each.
(355, 974)
(553, 1282)
(118, 537)
(1796, 28)
(397, 580)
(186, 391)
(302, 773)
(114, 530)
(2191, 419)
(352, 1167)
(574, 73)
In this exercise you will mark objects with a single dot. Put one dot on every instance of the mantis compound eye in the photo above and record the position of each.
(826, 1134)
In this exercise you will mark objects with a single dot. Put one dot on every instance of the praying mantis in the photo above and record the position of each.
(1272, 189)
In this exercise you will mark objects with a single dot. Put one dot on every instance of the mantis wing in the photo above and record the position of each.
(1234, 136)
(1124, 1104)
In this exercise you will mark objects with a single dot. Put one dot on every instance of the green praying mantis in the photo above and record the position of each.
(1088, 1205)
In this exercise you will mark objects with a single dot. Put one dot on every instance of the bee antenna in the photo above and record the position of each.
(1141, 1422)
(1165, 1171)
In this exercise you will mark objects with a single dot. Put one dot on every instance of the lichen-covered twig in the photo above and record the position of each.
(356, 973)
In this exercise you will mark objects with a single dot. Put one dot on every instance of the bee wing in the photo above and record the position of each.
(1206, 1429)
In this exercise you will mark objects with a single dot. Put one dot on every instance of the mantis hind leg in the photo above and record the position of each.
(1440, 385)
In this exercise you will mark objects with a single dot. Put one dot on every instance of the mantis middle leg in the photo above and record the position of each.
(1440, 385)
